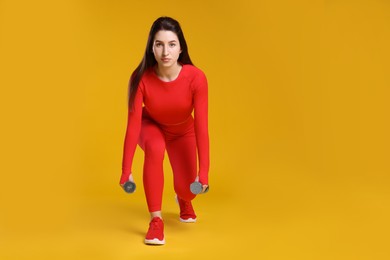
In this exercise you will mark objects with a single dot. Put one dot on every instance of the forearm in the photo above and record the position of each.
(132, 135)
(204, 158)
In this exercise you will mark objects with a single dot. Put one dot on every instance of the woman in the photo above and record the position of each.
(164, 90)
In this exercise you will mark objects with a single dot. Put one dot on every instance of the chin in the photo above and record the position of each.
(167, 65)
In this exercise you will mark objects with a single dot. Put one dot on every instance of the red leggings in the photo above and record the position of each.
(180, 143)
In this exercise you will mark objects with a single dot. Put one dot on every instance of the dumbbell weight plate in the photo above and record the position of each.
(129, 187)
(197, 188)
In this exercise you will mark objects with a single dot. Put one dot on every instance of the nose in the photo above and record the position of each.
(165, 51)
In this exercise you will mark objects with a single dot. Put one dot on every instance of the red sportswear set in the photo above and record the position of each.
(162, 120)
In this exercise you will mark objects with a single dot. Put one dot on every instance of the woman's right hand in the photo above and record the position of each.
(129, 179)
(129, 186)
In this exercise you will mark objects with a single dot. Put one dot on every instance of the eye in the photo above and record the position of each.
(172, 45)
(158, 44)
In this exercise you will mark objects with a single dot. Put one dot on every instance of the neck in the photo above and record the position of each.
(168, 73)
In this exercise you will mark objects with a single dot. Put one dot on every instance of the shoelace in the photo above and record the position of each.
(154, 225)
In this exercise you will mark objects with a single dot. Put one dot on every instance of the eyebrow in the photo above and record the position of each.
(163, 41)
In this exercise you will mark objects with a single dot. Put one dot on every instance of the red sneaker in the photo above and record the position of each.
(155, 235)
(187, 213)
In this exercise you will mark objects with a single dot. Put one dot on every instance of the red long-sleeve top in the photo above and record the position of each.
(170, 103)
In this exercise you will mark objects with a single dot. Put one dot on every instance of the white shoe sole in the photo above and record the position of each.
(154, 241)
(189, 220)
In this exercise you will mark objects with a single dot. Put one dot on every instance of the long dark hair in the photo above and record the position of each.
(166, 24)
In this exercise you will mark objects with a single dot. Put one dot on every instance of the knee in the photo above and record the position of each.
(184, 192)
(154, 150)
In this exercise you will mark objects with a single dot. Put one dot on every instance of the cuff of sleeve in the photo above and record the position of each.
(124, 177)
(204, 178)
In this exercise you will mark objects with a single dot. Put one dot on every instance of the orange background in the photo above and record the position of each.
(299, 127)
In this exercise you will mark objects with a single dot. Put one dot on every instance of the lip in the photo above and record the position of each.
(165, 59)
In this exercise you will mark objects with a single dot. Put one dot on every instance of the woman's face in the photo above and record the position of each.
(166, 48)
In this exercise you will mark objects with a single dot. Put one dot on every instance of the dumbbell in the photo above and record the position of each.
(196, 187)
(129, 187)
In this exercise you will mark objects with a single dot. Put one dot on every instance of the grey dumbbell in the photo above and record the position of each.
(129, 187)
(197, 188)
